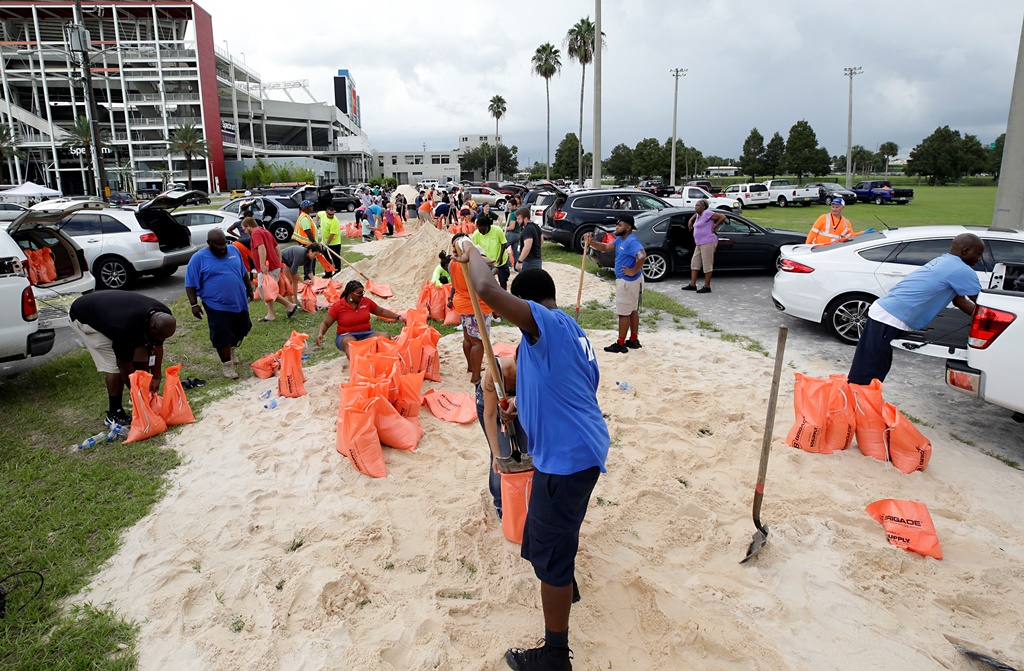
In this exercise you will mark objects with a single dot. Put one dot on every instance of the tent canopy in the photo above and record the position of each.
(31, 190)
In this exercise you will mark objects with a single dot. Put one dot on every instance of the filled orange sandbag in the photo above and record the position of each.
(267, 366)
(438, 303)
(410, 394)
(907, 525)
(451, 317)
(423, 300)
(515, 502)
(355, 394)
(290, 382)
(308, 297)
(284, 285)
(146, 421)
(842, 416)
(360, 348)
(870, 430)
(353, 230)
(48, 270)
(357, 438)
(810, 401)
(267, 287)
(393, 429)
(175, 408)
(375, 366)
(455, 407)
(909, 450)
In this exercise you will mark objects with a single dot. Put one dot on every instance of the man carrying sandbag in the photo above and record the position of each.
(123, 332)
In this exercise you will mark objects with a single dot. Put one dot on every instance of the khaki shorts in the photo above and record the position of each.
(627, 295)
(704, 256)
(100, 347)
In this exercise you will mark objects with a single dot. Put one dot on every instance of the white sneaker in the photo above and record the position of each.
(234, 356)
(229, 370)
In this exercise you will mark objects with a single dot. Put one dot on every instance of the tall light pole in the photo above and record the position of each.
(851, 73)
(78, 40)
(1009, 210)
(234, 102)
(595, 173)
(248, 98)
(677, 73)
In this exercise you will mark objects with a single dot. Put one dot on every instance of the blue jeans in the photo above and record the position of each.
(504, 448)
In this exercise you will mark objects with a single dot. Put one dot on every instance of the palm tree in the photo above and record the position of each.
(580, 43)
(888, 150)
(8, 148)
(80, 139)
(187, 139)
(497, 108)
(547, 64)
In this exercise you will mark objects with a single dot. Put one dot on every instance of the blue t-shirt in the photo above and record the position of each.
(218, 281)
(556, 396)
(626, 250)
(923, 293)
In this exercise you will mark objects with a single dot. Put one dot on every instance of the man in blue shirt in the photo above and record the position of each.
(217, 275)
(568, 441)
(914, 302)
(629, 280)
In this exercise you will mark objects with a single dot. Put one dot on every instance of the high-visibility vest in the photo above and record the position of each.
(834, 230)
(304, 236)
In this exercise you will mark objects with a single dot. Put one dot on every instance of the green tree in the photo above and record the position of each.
(861, 159)
(187, 139)
(973, 157)
(773, 152)
(619, 163)
(802, 154)
(888, 150)
(566, 156)
(478, 158)
(580, 43)
(496, 108)
(937, 156)
(752, 158)
(995, 160)
(508, 159)
(649, 159)
(9, 149)
(547, 63)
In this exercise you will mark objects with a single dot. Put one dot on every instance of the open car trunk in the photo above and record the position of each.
(68, 261)
(170, 234)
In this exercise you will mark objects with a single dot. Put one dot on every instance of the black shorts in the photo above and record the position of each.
(503, 273)
(551, 537)
(227, 328)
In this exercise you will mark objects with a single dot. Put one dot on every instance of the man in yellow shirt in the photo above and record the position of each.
(831, 226)
(330, 232)
(492, 240)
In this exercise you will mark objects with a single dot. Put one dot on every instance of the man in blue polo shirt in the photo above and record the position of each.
(217, 275)
(914, 302)
(629, 280)
(568, 442)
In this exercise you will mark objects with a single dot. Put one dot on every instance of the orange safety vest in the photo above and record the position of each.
(827, 230)
(300, 234)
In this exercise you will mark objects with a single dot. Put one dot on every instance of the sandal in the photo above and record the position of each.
(291, 313)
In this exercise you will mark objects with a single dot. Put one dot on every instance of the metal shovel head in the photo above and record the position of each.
(511, 465)
(991, 662)
(757, 542)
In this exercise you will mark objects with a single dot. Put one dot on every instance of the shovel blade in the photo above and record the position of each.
(964, 648)
(759, 540)
(510, 465)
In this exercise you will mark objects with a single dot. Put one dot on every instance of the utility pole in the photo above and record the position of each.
(234, 105)
(248, 104)
(677, 73)
(1009, 211)
(595, 172)
(79, 40)
(851, 73)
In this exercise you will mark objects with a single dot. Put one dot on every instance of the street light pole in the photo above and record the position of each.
(248, 104)
(851, 73)
(78, 34)
(234, 102)
(677, 73)
(595, 173)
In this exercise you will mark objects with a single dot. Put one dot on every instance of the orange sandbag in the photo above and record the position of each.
(909, 450)
(284, 285)
(356, 394)
(379, 290)
(810, 401)
(175, 408)
(515, 502)
(430, 362)
(870, 430)
(907, 525)
(423, 300)
(321, 284)
(410, 394)
(361, 348)
(290, 382)
(451, 317)
(504, 350)
(842, 419)
(331, 293)
(325, 264)
(267, 287)
(357, 439)
(394, 430)
(146, 422)
(455, 407)
(374, 366)
(267, 366)
(437, 303)
(41, 266)
(308, 297)
(353, 230)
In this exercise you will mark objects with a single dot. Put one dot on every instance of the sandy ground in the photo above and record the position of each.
(271, 552)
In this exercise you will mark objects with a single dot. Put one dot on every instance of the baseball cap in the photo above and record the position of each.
(627, 219)
(306, 203)
(839, 201)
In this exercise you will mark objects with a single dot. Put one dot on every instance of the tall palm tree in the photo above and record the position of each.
(80, 139)
(547, 63)
(187, 139)
(580, 43)
(9, 149)
(497, 108)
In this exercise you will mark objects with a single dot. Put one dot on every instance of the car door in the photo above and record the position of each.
(600, 208)
(87, 231)
(911, 256)
(645, 203)
(678, 239)
(740, 245)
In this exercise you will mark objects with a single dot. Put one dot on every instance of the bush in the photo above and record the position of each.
(266, 173)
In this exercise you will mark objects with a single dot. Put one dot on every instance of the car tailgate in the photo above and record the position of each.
(54, 304)
(945, 336)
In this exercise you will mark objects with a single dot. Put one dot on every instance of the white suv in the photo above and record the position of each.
(749, 195)
(29, 314)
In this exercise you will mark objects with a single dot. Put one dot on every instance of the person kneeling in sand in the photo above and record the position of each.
(352, 313)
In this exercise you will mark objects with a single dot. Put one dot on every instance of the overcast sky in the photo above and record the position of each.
(426, 71)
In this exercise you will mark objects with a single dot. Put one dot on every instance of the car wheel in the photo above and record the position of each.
(577, 239)
(879, 200)
(281, 231)
(500, 205)
(847, 315)
(114, 272)
(828, 200)
(782, 201)
(739, 207)
(166, 271)
(776, 264)
(656, 267)
(351, 207)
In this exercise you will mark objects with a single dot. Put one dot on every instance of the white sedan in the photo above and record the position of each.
(201, 222)
(836, 284)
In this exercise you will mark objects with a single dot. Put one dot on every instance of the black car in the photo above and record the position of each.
(668, 241)
(118, 198)
(584, 211)
(829, 190)
(655, 186)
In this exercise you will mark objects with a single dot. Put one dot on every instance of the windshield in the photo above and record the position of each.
(833, 185)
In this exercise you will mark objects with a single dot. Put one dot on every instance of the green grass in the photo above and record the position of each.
(1006, 460)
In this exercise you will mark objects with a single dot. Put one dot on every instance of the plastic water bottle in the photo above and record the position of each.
(273, 404)
(91, 441)
(266, 394)
(625, 386)
(117, 431)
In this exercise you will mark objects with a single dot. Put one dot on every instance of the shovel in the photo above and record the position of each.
(991, 662)
(517, 461)
(583, 270)
(761, 535)
(382, 290)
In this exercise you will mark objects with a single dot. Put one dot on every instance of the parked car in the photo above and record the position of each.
(501, 187)
(121, 244)
(782, 192)
(201, 222)
(238, 193)
(584, 211)
(485, 194)
(829, 190)
(668, 241)
(702, 183)
(120, 198)
(10, 211)
(836, 284)
(29, 314)
(689, 195)
(749, 195)
(881, 192)
(278, 213)
(540, 198)
(656, 186)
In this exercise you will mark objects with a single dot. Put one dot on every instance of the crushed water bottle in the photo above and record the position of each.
(117, 431)
(274, 402)
(625, 386)
(91, 441)
(266, 394)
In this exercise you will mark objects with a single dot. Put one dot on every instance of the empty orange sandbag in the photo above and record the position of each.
(381, 290)
(266, 366)
(409, 399)
(357, 438)
(515, 502)
(870, 430)
(267, 287)
(290, 382)
(146, 422)
(842, 416)
(284, 285)
(394, 430)
(907, 525)
(331, 293)
(175, 408)
(909, 450)
(325, 264)
(504, 350)
(810, 401)
(455, 407)
(308, 297)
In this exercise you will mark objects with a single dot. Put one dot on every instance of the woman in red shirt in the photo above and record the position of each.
(352, 313)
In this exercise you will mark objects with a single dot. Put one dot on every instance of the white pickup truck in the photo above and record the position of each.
(689, 195)
(784, 193)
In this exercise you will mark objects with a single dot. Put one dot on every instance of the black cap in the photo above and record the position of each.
(627, 219)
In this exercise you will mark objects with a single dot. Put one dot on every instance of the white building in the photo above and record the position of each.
(411, 167)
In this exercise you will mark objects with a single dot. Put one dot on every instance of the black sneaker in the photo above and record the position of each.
(689, 287)
(616, 347)
(119, 416)
(704, 290)
(544, 658)
(634, 343)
